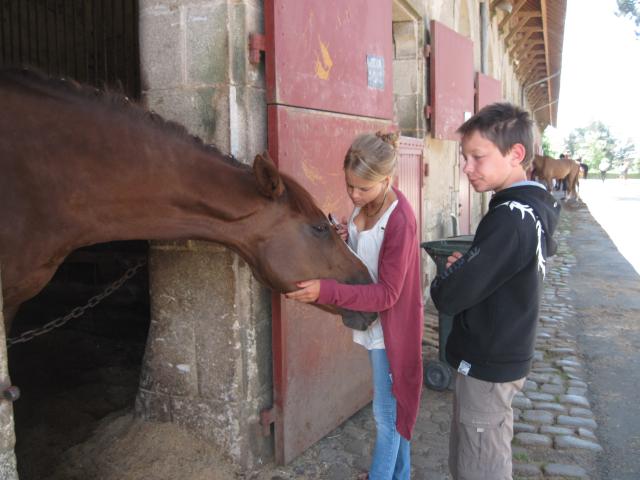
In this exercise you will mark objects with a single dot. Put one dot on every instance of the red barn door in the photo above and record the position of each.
(328, 76)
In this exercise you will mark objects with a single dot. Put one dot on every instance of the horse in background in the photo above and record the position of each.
(547, 169)
(80, 167)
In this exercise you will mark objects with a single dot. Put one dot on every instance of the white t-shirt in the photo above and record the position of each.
(367, 245)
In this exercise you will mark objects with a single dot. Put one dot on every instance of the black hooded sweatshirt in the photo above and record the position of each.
(494, 291)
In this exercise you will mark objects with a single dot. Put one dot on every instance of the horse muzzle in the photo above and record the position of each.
(350, 318)
(357, 320)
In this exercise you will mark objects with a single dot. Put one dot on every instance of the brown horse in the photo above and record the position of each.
(79, 167)
(547, 169)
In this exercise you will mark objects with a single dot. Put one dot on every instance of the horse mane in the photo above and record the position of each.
(298, 196)
(110, 100)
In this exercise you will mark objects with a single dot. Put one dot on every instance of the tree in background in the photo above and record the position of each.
(591, 143)
(625, 151)
(547, 149)
(595, 142)
(631, 9)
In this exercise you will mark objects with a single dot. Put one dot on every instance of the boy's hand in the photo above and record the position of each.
(453, 258)
(308, 293)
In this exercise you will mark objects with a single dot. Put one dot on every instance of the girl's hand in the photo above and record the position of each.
(308, 293)
(341, 228)
(453, 258)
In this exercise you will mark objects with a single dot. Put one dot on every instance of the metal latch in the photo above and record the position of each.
(267, 417)
(257, 44)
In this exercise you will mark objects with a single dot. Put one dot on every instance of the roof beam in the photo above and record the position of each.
(529, 49)
(534, 73)
(525, 62)
(526, 35)
(530, 53)
(522, 21)
(508, 16)
(529, 70)
(537, 95)
(525, 70)
(545, 35)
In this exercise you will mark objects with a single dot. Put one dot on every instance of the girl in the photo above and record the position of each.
(382, 231)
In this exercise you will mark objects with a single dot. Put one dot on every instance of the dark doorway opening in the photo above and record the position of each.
(74, 376)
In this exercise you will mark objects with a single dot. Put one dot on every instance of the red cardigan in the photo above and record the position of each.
(398, 298)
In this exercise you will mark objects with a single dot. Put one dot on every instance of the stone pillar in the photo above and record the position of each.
(408, 70)
(7, 434)
(208, 360)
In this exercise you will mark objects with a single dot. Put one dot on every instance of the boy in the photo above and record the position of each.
(494, 291)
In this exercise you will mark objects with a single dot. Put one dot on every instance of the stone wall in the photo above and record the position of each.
(207, 364)
(7, 433)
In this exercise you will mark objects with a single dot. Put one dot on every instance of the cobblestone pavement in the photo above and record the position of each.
(555, 431)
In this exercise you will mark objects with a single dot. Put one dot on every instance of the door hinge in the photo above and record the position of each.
(426, 51)
(267, 417)
(257, 44)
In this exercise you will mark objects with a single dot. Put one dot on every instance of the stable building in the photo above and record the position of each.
(252, 373)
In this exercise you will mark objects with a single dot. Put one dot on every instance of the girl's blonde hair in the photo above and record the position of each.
(372, 156)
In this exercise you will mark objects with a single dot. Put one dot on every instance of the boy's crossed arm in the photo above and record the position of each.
(493, 258)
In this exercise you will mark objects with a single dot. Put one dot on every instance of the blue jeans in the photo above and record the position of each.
(391, 455)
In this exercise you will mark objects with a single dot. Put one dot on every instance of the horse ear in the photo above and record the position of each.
(267, 176)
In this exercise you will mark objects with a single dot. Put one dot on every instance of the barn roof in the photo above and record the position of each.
(533, 32)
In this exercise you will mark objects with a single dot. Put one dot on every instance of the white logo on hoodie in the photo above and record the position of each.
(526, 209)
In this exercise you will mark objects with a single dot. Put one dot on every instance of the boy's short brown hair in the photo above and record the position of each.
(504, 125)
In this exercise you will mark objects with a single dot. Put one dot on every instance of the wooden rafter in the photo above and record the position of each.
(531, 46)
(522, 21)
(529, 69)
(545, 35)
(527, 62)
(537, 95)
(526, 35)
(529, 76)
(532, 32)
(531, 52)
(508, 16)
(540, 102)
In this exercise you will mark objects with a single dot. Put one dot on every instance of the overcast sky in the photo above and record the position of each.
(600, 70)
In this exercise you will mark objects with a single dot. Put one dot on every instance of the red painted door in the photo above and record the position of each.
(328, 76)
(488, 90)
(410, 175)
(451, 75)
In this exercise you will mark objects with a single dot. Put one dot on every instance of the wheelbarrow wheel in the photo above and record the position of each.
(437, 376)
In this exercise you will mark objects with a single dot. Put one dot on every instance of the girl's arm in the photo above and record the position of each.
(398, 249)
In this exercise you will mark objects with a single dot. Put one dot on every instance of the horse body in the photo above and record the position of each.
(547, 169)
(79, 168)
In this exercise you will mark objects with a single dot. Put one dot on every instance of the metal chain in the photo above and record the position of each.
(78, 311)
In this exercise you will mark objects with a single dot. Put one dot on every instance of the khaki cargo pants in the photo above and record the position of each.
(482, 429)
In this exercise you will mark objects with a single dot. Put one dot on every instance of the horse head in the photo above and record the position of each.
(295, 241)
(72, 190)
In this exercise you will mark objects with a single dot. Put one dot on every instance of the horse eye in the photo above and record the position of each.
(321, 227)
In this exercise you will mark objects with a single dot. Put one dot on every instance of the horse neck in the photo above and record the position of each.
(167, 188)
